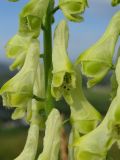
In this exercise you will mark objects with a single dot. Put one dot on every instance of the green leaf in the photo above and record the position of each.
(72, 9)
(30, 149)
(63, 72)
(17, 48)
(18, 91)
(52, 137)
(115, 2)
(96, 144)
(32, 16)
(96, 61)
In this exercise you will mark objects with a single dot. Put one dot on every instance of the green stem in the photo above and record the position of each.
(55, 9)
(47, 44)
(48, 57)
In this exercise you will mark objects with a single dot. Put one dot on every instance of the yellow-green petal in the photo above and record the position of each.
(18, 91)
(52, 137)
(18, 113)
(84, 117)
(16, 48)
(30, 149)
(63, 71)
(73, 9)
(32, 16)
(96, 61)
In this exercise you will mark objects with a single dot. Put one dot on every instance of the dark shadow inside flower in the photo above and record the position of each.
(62, 84)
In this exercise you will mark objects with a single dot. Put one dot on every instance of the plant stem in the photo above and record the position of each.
(48, 56)
(55, 9)
(47, 45)
(64, 146)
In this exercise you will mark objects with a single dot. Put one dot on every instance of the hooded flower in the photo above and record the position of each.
(39, 91)
(72, 9)
(52, 137)
(115, 2)
(97, 60)
(63, 72)
(96, 144)
(17, 48)
(18, 91)
(31, 17)
(84, 117)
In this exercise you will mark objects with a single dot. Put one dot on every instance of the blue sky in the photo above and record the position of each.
(82, 35)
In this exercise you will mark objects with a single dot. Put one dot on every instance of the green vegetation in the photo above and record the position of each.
(12, 141)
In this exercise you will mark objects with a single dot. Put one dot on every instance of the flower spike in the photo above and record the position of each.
(63, 72)
(96, 61)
